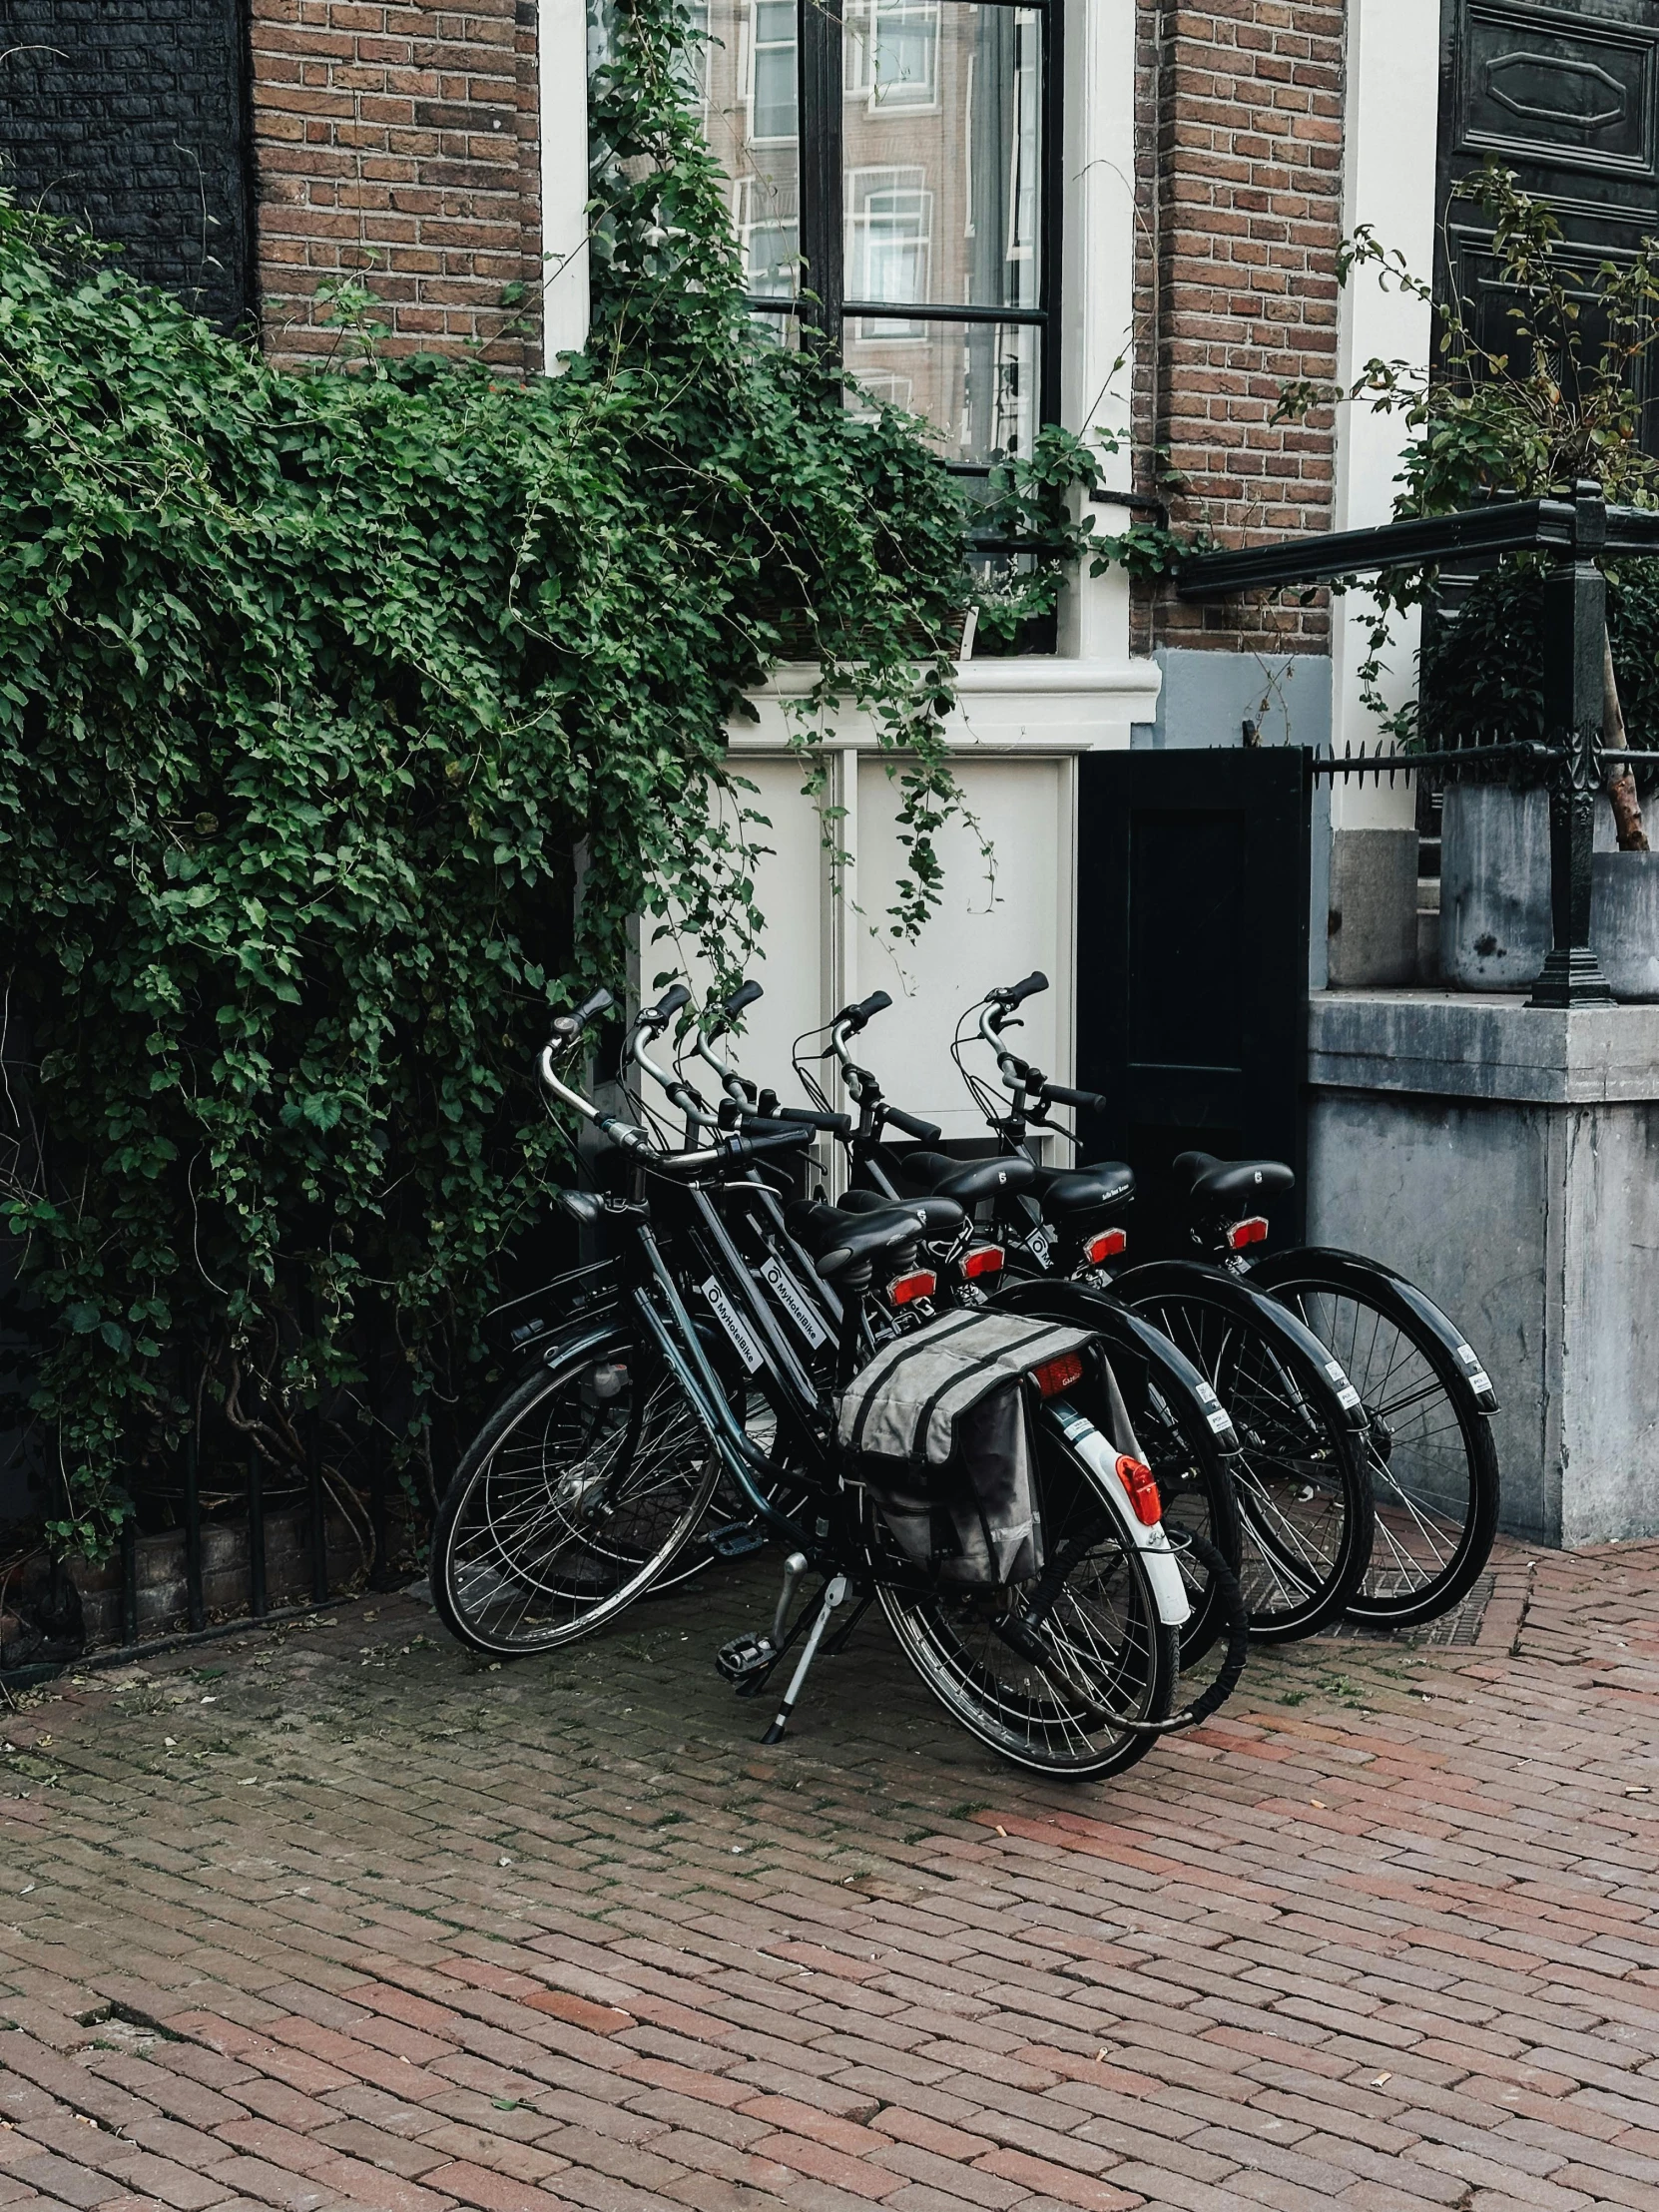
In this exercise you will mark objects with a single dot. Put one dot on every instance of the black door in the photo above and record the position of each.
(1192, 962)
(1569, 98)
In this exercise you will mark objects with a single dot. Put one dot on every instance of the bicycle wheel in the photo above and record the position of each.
(1171, 1408)
(573, 1499)
(1433, 1466)
(1304, 1489)
(1077, 1695)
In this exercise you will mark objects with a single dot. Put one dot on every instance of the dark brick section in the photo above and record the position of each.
(1239, 108)
(398, 139)
(129, 115)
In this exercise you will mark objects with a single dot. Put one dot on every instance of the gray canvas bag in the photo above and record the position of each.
(937, 1427)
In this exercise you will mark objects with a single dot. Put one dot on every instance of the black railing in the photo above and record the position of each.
(1574, 535)
(218, 1544)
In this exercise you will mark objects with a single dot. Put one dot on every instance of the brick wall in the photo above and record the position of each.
(128, 114)
(399, 139)
(1239, 178)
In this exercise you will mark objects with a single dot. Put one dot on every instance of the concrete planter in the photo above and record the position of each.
(1494, 887)
(1624, 923)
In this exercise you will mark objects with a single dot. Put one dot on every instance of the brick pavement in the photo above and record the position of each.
(340, 1917)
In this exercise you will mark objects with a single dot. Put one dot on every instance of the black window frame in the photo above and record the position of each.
(821, 305)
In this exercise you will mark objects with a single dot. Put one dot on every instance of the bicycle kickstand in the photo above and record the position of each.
(834, 1596)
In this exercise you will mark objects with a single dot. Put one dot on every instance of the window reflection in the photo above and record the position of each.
(940, 196)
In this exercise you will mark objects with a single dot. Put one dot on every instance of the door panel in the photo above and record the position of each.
(1191, 961)
(1569, 98)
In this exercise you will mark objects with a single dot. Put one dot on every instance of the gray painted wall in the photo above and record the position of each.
(1506, 1160)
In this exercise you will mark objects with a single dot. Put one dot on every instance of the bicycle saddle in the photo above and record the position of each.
(969, 1181)
(1098, 1188)
(839, 1242)
(942, 1217)
(1216, 1185)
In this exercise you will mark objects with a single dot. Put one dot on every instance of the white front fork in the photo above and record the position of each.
(1169, 1588)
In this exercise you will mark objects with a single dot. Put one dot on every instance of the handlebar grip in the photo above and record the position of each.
(803, 1117)
(1012, 995)
(924, 1132)
(745, 995)
(568, 1027)
(737, 1149)
(1089, 1102)
(670, 1003)
(856, 1017)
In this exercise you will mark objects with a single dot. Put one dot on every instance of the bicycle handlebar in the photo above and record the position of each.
(1013, 994)
(658, 1017)
(745, 995)
(803, 1117)
(924, 1132)
(732, 1152)
(568, 1027)
(1088, 1102)
(854, 1018)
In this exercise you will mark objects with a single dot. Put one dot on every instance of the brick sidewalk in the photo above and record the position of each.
(340, 1917)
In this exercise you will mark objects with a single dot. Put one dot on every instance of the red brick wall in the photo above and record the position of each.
(1239, 108)
(399, 139)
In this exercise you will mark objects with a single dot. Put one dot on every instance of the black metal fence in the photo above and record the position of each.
(1575, 536)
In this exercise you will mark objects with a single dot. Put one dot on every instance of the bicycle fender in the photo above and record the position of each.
(1282, 1266)
(1054, 1297)
(1163, 1570)
(1263, 1312)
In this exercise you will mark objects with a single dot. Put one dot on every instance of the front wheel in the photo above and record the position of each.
(574, 1498)
(1069, 1676)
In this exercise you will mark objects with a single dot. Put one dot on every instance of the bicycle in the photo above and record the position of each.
(1068, 1667)
(1300, 1478)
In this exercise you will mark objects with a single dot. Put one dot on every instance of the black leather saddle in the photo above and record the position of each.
(1231, 1185)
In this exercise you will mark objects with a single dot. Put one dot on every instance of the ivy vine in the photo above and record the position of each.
(349, 719)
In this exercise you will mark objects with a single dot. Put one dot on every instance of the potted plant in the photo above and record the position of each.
(1522, 404)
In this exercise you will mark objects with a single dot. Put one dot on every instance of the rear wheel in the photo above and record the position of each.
(575, 1497)
(1433, 1466)
(1067, 1675)
(1304, 1493)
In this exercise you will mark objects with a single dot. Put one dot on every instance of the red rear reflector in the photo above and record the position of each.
(1137, 1478)
(1245, 1233)
(1056, 1375)
(909, 1286)
(982, 1259)
(1106, 1245)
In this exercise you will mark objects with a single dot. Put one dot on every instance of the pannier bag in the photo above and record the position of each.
(939, 1428)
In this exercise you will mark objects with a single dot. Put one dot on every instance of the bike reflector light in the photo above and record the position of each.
(1137, 1478)
(1056, 1375)
(909, 1287)
(1245, 1233)
(982, 1259)
(1107, 1245)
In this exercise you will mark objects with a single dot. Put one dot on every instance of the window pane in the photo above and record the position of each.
(942, 150)
(975, 382)
(750, 115)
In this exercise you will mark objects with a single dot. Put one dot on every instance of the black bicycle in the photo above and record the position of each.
(728, 1346)
(1424, 1398)
(1300, 1481)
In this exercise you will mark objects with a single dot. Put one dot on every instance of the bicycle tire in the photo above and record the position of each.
(568, 1506)
(1172, 1411)
(1435, 1479)
(1303, 1478)
(1091, 1706)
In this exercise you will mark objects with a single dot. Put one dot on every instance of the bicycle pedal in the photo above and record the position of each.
(735, 1539)
(744, 1657)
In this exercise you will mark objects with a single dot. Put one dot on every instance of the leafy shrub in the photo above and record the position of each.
(322, 698)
